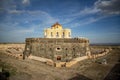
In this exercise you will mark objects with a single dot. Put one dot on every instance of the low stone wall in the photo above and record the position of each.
(76, 60)
(13, 50)
(6, 46)
(106, 51)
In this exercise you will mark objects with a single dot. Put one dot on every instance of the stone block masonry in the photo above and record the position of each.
(57, 49)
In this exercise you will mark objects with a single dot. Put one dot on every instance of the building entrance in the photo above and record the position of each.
(58, 57)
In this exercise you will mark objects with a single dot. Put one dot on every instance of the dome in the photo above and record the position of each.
(56, 26)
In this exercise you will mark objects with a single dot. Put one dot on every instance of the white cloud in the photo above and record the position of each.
(23, 30)
(99, 9)
(88, 11)
(26, 2)
(86, 21)
(82, 16)
(43, 16)
(91, 20)
(15, 11)
(108, 6)
(15, 26)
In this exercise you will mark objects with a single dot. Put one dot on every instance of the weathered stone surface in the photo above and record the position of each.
(62, 49)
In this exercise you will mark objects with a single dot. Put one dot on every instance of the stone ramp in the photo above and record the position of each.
(75, 60)
(44, 60)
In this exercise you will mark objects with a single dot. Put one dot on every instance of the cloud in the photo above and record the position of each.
(26, 2)
(11, 32)
(87, 11)
(15, 11)
(26, 22)
(44, 16)
(83, 17)
(101, 6)
(87, 21)
(101, 9)
(108, 6)
(32, 15)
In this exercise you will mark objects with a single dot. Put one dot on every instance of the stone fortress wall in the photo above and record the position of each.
(61, 49)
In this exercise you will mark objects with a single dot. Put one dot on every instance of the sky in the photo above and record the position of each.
(97, 20)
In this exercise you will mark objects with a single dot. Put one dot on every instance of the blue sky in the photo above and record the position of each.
(98, 20)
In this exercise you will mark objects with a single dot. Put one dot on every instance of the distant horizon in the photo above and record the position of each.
(89, 43)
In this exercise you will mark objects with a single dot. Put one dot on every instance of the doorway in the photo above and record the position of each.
(58, 57)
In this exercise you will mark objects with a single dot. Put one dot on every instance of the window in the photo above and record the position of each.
(58, 49)
(69, 34)
(45, 34)
(51, 34)
(57, 35)
(63, 34)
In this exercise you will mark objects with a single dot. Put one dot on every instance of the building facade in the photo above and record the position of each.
(57, 31)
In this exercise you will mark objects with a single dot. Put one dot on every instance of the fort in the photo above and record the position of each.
(57, 45)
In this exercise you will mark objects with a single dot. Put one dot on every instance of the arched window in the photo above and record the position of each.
(57, 34)
(63, 34)
(45, 34)
(69, 34)
(51, 34)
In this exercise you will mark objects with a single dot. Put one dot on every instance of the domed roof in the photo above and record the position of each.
(56, 25)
